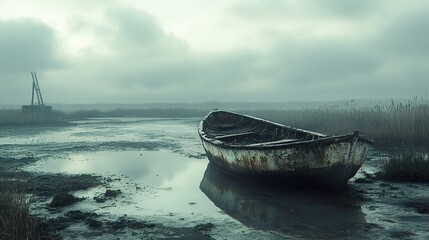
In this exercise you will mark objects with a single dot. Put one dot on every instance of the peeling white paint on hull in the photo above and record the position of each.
(331, 167)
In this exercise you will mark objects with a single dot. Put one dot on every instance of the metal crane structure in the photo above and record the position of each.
(36, 89)
(37, 112)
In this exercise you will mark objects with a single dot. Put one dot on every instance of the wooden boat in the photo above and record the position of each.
(263, 150)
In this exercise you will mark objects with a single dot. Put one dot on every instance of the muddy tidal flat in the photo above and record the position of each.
(137, 178)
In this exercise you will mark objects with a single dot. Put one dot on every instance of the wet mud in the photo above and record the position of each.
(57, 188)
(141, 179)
(78, 224)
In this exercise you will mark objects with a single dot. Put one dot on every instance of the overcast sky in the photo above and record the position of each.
(140, 51)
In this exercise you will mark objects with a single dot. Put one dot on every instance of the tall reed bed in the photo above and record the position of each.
(394, 125)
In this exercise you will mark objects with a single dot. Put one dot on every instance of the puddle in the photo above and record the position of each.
(146, 167)
(154, 182)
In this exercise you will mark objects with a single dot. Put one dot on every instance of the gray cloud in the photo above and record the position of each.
(347, 8)
(187, 71)
(134, 26)
(27, 45)
(302, 63)
(407, 35)
(134, 31)
(145, 56)
(140, 61)
(258, 10)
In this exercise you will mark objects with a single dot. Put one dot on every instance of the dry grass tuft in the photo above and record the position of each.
(406, 166)
(16, 222)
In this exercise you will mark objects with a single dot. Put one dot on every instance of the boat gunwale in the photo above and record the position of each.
(323, 139)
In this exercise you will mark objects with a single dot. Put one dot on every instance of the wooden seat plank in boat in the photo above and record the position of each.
(234, 135)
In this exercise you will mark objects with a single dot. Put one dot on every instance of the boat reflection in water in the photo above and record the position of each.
(295, 212)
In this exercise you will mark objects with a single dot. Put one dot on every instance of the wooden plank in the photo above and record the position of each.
(274, 142)
(234, 135)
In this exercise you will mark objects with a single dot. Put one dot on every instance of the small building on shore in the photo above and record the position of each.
(36, 112)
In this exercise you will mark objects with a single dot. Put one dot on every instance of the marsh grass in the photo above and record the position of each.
(15, 219)
(406, 166)
(16, 222)
(390, 126)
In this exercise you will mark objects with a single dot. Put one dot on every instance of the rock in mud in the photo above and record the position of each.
(206, 227)
(50, 184)
(109, 194)
(112, 193)
(93, 223)
(363, 180)
(123, 222)
(78, 215)
(420, 207)
(401, 234)
(63, 199)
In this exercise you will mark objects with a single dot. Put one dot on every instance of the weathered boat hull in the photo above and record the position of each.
(317, 166)
(326, 162)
